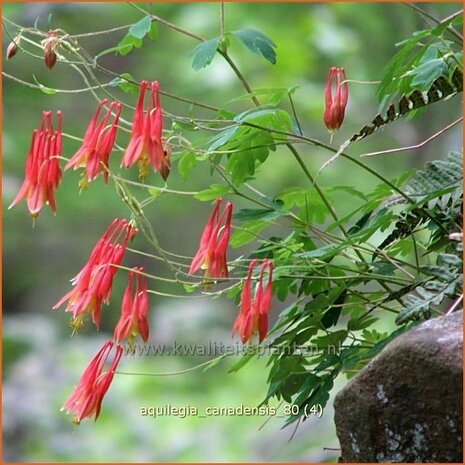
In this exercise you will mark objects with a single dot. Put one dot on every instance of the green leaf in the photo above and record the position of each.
(358, 323)
(307, 387)
(330, 339)
(203, 54)
(282, 287)
(247, 214)
(153, 32)
(293, 197)
(243, 360)
(383, 268)
(190, 287)
(123, 83)
(257, 43)
(141, 28)
(186, 163)
(403, 248)
(312, 207)
(449, 259)
(222, 138)
(331, 316)
(127, 43)
(319, 396)
(325, 252)
(44, 89)
(271, 118)
(427, 73)
(247, 233)
(134, 36)
(213, 192)
(399, 65)
(440, 28)
(418, 304)
(348, 190)
(248, 146)
(241, 166)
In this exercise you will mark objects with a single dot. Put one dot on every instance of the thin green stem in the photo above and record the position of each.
(222, 19)
(173, 373)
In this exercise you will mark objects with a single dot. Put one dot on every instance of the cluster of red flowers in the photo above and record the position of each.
(146, 146)
(42, 173)
(211, 255)
(97, 145)
(92, 285)
(86, 399)
(253, 317)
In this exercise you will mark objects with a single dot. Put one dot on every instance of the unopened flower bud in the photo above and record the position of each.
(50, 58)
(335, 105)
(12, 48)
(50, 45)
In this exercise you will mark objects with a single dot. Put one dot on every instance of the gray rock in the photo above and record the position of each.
(406, 404)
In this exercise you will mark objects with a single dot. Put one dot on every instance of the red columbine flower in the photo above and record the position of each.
(211, 255)
(253, 315)
(92, 285)
(134, 310)
(42, 173)
(335, 107)
(86, 398)
(97, 145)
(146, 145)
(50, 44)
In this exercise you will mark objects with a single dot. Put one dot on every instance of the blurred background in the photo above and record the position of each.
(41, 362)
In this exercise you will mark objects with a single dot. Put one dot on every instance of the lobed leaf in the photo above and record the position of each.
(203, 54)
(258, 43)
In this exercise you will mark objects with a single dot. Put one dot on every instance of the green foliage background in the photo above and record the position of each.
(41, 362)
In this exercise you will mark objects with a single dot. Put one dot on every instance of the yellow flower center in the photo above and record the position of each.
(143, 168)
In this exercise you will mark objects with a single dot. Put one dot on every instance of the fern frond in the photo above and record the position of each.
(441, 89)
(447, 281)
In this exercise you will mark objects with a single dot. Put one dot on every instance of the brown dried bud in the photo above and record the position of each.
(50, 57)
(165, 167)
(50, 45)
(12, 48)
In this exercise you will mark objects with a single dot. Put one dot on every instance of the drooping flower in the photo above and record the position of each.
(92, 285)
(50, 45)
(97, 145)
(86, 398)
(146, 145)
(42, 171)
(335, 106)
(253, 315)
(211, 254)
(134, 310)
